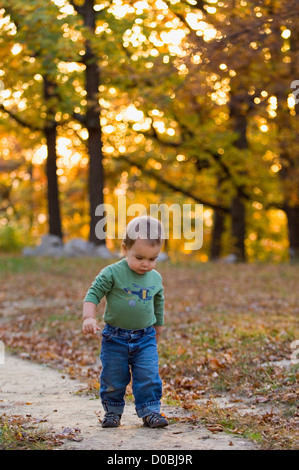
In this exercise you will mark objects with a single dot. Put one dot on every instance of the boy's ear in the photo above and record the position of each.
(124, 248)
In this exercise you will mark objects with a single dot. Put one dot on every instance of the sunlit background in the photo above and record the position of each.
(164, 98)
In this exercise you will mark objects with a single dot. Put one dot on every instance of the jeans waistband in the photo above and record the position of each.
(115, 330)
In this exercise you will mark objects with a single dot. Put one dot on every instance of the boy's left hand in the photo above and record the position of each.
(90, 326)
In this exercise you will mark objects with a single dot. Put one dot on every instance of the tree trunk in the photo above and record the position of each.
(218, 229)
(237, 207)
(293, 228)
(54, 218)
(218, 223)
(96, 173)
(238, 228)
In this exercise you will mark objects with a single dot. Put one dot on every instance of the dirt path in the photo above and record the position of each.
(42, 392)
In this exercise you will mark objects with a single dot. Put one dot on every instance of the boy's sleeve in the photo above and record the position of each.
(100, 286)
(159, 307)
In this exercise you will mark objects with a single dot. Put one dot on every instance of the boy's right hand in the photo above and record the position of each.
(90, 326)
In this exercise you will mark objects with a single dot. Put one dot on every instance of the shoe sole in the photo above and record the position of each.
(158, 425)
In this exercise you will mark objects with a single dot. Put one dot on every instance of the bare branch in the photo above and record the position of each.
(80, 117)
(79, 9)
(172, 186)
(20, 120)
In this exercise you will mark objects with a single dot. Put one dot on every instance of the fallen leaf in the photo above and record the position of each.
(261, 399)
(215, 364)
(215, 428)
(71, 434)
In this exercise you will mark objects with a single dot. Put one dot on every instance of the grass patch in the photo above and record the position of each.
(59, 266)
(25, 433)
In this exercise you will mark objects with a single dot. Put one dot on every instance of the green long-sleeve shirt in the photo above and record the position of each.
(134, 301)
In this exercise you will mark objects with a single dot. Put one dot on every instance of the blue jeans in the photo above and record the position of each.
(125, 352)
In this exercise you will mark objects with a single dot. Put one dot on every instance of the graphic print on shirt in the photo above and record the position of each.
(142, 293)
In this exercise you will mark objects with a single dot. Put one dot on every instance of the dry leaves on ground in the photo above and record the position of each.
(226, 329)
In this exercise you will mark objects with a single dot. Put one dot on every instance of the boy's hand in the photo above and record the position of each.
(90, 326)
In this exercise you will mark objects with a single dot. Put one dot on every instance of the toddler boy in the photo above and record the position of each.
(134, 316)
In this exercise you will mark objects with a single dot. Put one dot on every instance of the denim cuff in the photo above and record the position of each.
(117, 408)
(148, 408)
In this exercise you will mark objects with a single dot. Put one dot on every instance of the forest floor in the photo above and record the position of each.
(230, 378)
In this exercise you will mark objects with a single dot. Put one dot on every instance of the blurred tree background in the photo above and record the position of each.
(173, 102)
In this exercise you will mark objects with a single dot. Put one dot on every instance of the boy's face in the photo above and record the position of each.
(142, 256)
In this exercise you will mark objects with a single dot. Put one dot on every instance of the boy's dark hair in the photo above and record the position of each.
(146, 228)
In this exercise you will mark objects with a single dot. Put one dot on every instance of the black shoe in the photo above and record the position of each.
(155, 420)
(111, 420)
